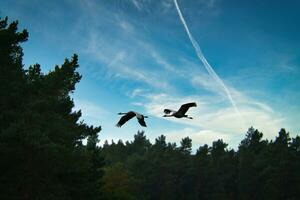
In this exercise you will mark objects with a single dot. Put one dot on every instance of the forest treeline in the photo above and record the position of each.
(43, 155)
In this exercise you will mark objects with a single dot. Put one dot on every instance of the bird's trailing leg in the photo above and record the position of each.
(188, 117)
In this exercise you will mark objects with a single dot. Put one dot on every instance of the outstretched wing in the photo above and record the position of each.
(168, 111)
(142, 121)
(184, 108)
(125, 118)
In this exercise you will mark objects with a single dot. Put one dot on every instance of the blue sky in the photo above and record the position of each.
(136, 55)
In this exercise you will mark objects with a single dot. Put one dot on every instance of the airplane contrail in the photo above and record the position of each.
(200, 55)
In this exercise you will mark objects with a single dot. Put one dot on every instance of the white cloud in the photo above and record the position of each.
(92, 113)
(137, 4)
(206, 82)
(162, 62)
(120, 53)
(127, 27)
(122, 61)
(124, 57)
(199, 137)
(217, 116)
(136, 92)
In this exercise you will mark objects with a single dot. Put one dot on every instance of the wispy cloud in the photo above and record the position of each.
(91, 112)
(122, 61)
(137, 4)
(138, 46)
(122, 53)
(215, 115)
(136, 92)
(204, 81)
(121, 56)
(128, 28)
(199, 137)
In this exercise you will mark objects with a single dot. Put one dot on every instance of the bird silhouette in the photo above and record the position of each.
(181, 112)
(129, 115)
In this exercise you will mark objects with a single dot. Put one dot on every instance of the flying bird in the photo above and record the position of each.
(129, 115)
(181, 112)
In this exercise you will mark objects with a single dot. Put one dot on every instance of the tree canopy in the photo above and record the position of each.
(42, 155)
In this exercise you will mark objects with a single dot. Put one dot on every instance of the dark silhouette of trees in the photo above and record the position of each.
(249, 168)
(259, 169)
(41, 150)
(43, 155)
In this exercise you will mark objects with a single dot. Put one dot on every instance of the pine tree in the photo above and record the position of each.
(41, 150)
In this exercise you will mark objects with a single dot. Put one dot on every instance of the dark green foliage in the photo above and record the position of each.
(41, 150)
(249, 167)
(258, 170)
